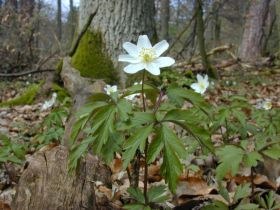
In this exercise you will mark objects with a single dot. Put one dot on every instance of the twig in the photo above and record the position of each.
(84, 30)
(26, 72)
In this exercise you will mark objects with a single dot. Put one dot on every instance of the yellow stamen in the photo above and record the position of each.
(147, 55)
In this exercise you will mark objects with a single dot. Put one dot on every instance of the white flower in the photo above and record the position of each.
(110, 89)
(264, 104)
(145, 56)
(267, 105)
(201, 85)
(50, 103)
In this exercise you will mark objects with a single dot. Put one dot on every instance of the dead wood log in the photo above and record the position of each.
(46, 185)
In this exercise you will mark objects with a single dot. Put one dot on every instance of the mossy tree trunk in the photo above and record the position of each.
(253, 36)
(116, 22)
(201, 40)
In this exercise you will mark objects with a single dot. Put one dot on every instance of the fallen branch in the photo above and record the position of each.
(26, 73)
(84, 30)
(220, 49)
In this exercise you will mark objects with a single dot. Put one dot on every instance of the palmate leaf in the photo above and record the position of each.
(242, 191)
(78, 151)
(179, 95)
(184, 118)
(173, 149)
(251, 159)
(273, 152)
(124, 109)
(134, 142)
(230, 157)
(157, 194)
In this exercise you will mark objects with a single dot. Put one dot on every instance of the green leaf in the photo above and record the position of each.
(173, 149)
(136, 194)
(230, 157)
(242, 191)
(124, 109)
(136, 207)
(216, 205)
(247, 206)
(179, 95)
(133, 143)
(157, 194)
(251, 159)
(182, 118)
(155, 148)
(78, 151)
(224, 192)
(273, 152)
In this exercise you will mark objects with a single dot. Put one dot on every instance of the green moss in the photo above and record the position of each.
(91, 60)
(61, 92)
(59, 66)
(27, 97)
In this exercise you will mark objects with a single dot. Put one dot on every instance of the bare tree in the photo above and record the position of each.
(252, 43)
(13, 4)
(201, 40)
(58, 21)
(164, 19)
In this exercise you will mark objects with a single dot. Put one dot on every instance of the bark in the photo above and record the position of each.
(216, 23)
(164, 19)
(119, 22)
(71, 21)
(11, 4)
(277, 7)
(46, 184)
(201, 40)
(58, 21)
(253, 35)
(27, 7)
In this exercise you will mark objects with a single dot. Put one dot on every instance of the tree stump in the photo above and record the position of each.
(46, 184)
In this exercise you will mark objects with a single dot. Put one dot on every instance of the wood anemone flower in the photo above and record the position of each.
(201, 85)
(145, 56)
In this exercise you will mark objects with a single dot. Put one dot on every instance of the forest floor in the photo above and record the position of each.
(22, 123)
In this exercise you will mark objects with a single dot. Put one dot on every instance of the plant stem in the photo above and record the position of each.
(142, 93)
(146, 147)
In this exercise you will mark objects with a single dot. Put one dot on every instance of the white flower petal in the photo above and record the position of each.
(153, 68)
(144, 42)
(133, 68)
(164, 61)
(128, 58)
(131, 49)
(199, 77)
(195, 87)
(206, 78)
(160, 47)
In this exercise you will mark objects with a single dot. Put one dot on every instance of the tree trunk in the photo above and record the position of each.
(11, 4)
(27, 7)
(164, 19)
(201, 40)
(277, 7)
(216, 23)
(253, 35)
(71, 21)
(58, 21)
(116, 22)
